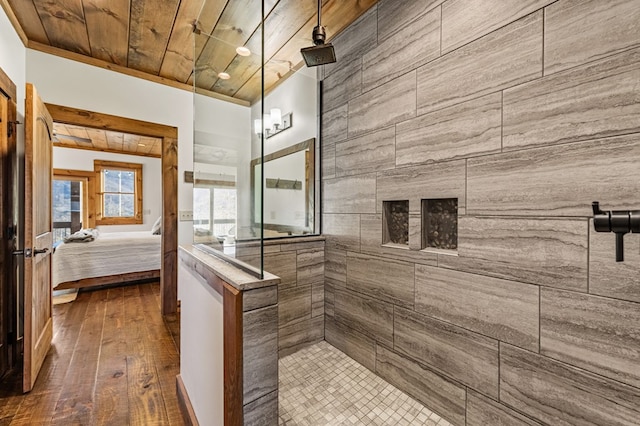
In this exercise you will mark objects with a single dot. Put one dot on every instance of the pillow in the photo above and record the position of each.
(156, 229)
(82, 236)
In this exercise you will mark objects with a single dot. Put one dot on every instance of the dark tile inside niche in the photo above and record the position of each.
(440, 223)
(395, 222)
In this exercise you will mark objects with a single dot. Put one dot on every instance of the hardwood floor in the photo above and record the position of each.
(113, 361)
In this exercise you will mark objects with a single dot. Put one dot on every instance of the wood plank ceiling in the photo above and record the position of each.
(79, 137)
(156, 37)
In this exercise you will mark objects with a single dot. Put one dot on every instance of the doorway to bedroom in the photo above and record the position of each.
(120, 175)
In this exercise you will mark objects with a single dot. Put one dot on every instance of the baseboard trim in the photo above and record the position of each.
(185, 403)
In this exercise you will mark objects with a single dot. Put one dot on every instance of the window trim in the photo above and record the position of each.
(99, 166)
(88, 199)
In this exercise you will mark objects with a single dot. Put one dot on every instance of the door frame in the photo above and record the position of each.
(8, 281)
(169, 136)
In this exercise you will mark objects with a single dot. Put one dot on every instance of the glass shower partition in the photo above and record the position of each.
(256, 151)
(227, 78)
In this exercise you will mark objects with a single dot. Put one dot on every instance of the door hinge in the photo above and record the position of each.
(11, 127)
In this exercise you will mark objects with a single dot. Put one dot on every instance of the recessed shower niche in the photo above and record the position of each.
(395, 223)
(440, 223)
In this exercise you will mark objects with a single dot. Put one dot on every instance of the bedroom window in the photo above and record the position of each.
(70, 202)
(119, 199)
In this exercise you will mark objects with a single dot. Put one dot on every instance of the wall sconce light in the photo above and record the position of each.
(272, 123)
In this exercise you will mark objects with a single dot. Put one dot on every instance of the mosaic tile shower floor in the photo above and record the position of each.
(321, 386)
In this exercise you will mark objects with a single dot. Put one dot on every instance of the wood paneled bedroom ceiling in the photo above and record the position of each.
(79, 137)
(154, 39)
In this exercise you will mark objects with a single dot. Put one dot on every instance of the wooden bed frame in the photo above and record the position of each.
(110, 279)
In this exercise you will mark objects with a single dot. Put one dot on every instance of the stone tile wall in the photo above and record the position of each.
(300, 264)
(525, 111)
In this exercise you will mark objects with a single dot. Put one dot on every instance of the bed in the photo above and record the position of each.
(111, 258)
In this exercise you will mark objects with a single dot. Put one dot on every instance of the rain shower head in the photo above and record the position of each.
(320, 53)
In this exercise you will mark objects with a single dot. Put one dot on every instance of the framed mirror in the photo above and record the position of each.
(288, 191)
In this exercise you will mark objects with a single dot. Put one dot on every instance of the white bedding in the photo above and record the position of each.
(110, 254)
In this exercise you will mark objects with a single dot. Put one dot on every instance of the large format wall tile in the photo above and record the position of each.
(356, 345)
(413, 46)
(335, 267)
(438, 180)
(461, 354)
(597, 334)
(282, 264)
(596, 100)
(561, 180)
(294, 304)
(358, 38)
(350, 194)
(420, 382)
(317, 299)
(364, 314)
(334, 125)
(385, 279)
(342, 231)
(371, 241)
(579, 31)
(561, 395)
(608, 277)
(365, 154)
(467, 20)
(393, 15)
(262, 412)
(310, 266)
(464, 130)
(334, 129)
(550, 252)
(329, 300)
(504, 58)
(501, 309)
(344, 84)
(294, 337)
(260, 348)
(483, 411)
(383, 106)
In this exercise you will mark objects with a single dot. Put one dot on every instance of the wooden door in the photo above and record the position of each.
(38, 323)
(8, 187)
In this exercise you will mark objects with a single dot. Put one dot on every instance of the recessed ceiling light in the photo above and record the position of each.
(243, 51)
(141, 144)
(224, 76)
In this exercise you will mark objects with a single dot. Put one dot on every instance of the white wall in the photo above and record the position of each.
(298, 95)
(81, 159)
(64, 82)
(12, 59)
(228, 128)
(202, 347)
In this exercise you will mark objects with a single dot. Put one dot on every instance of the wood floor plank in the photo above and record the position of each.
(37, 406)
(113, 361)
(146, 405)
(76, 401)
(111, 402)
(166, 357)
